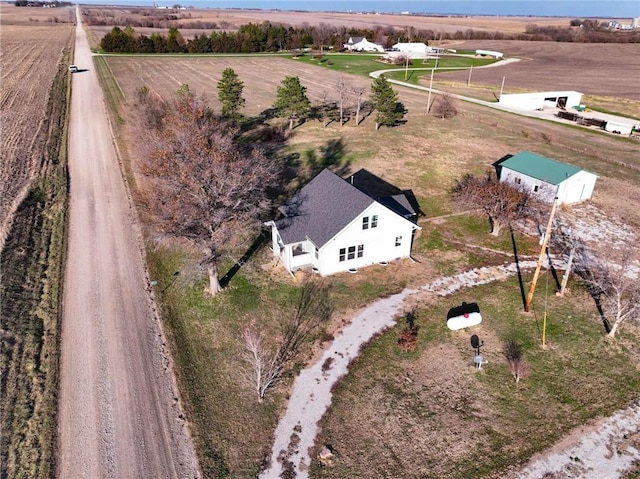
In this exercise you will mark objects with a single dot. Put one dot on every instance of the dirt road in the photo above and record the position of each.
(118, 412)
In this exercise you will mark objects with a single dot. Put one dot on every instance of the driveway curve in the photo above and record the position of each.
(311, 394)
(119, 415)
(604, 451)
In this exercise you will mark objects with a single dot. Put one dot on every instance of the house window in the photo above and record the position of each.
(518, 181)
(317, 253)
(351, 252)
(535, 188)
(366, 224)
(398, 240)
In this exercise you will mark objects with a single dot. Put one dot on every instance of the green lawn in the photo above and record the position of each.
(365, 63)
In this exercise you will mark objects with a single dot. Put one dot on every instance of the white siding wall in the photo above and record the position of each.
(578, 187)
(534, 101)
(545, 191)
(378, 243)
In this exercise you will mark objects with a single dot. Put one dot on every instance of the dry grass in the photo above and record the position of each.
(427, 413)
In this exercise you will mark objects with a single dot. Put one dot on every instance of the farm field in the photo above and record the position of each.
(24, 93)
(33, 187)
(234, 18)
(608, 70)
(426, 154)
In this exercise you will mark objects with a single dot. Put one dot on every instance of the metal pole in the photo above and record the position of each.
(502, 87)
(532, 288)
(429, 97)
(469, 79)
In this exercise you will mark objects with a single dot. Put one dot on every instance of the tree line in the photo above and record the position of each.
(269, 37)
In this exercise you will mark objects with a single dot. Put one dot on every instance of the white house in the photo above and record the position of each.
(332, 225)
(361, 44)
(540, 100)
(547, 178)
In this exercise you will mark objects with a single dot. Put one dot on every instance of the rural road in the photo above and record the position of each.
(118, 416)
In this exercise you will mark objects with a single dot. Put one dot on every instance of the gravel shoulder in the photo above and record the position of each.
(119, 414)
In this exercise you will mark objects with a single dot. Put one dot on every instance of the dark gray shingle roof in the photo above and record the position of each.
(321, 209)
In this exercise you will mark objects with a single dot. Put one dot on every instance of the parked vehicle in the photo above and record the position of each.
(73, 68)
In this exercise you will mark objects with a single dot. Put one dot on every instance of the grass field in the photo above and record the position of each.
(426, 154)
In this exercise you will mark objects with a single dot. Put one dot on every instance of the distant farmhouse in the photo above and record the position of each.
(333, 225)
(547, 178)
(361, 44)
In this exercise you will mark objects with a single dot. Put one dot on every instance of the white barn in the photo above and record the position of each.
(540, 100)
(361, 44)
(413, 47)
(547, 178)
(332, 225)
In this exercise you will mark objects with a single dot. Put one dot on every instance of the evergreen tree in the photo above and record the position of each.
(230, 94)
(291, 100)
(385, 101)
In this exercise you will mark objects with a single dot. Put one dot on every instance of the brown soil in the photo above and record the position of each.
(24, 90)
(603, 69)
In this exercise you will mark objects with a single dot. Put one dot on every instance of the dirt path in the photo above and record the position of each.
(118, 412)
(602, 451)
(311, 394)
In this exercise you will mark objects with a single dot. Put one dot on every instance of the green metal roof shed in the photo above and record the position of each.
(544, 169)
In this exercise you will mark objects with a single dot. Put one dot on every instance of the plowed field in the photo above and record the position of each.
(261, 77)
(609, 69)
(31, 56)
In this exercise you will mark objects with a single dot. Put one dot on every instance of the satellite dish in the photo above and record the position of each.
(475, 341)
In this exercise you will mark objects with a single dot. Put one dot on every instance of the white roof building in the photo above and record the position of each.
(361, 44)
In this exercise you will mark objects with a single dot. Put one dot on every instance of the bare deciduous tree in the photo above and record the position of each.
(517, 365)
(358, 93)
(199, 183)
(501, 202)
(343, 96)
(445, 106)
(268, 361)
(612, 280)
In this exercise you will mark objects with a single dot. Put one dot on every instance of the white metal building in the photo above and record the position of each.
(540, 100)
(548, 178)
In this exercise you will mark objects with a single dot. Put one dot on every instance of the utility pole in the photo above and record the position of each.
(502, 87)
(429, 97)
(545, 242)
(469, 79)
